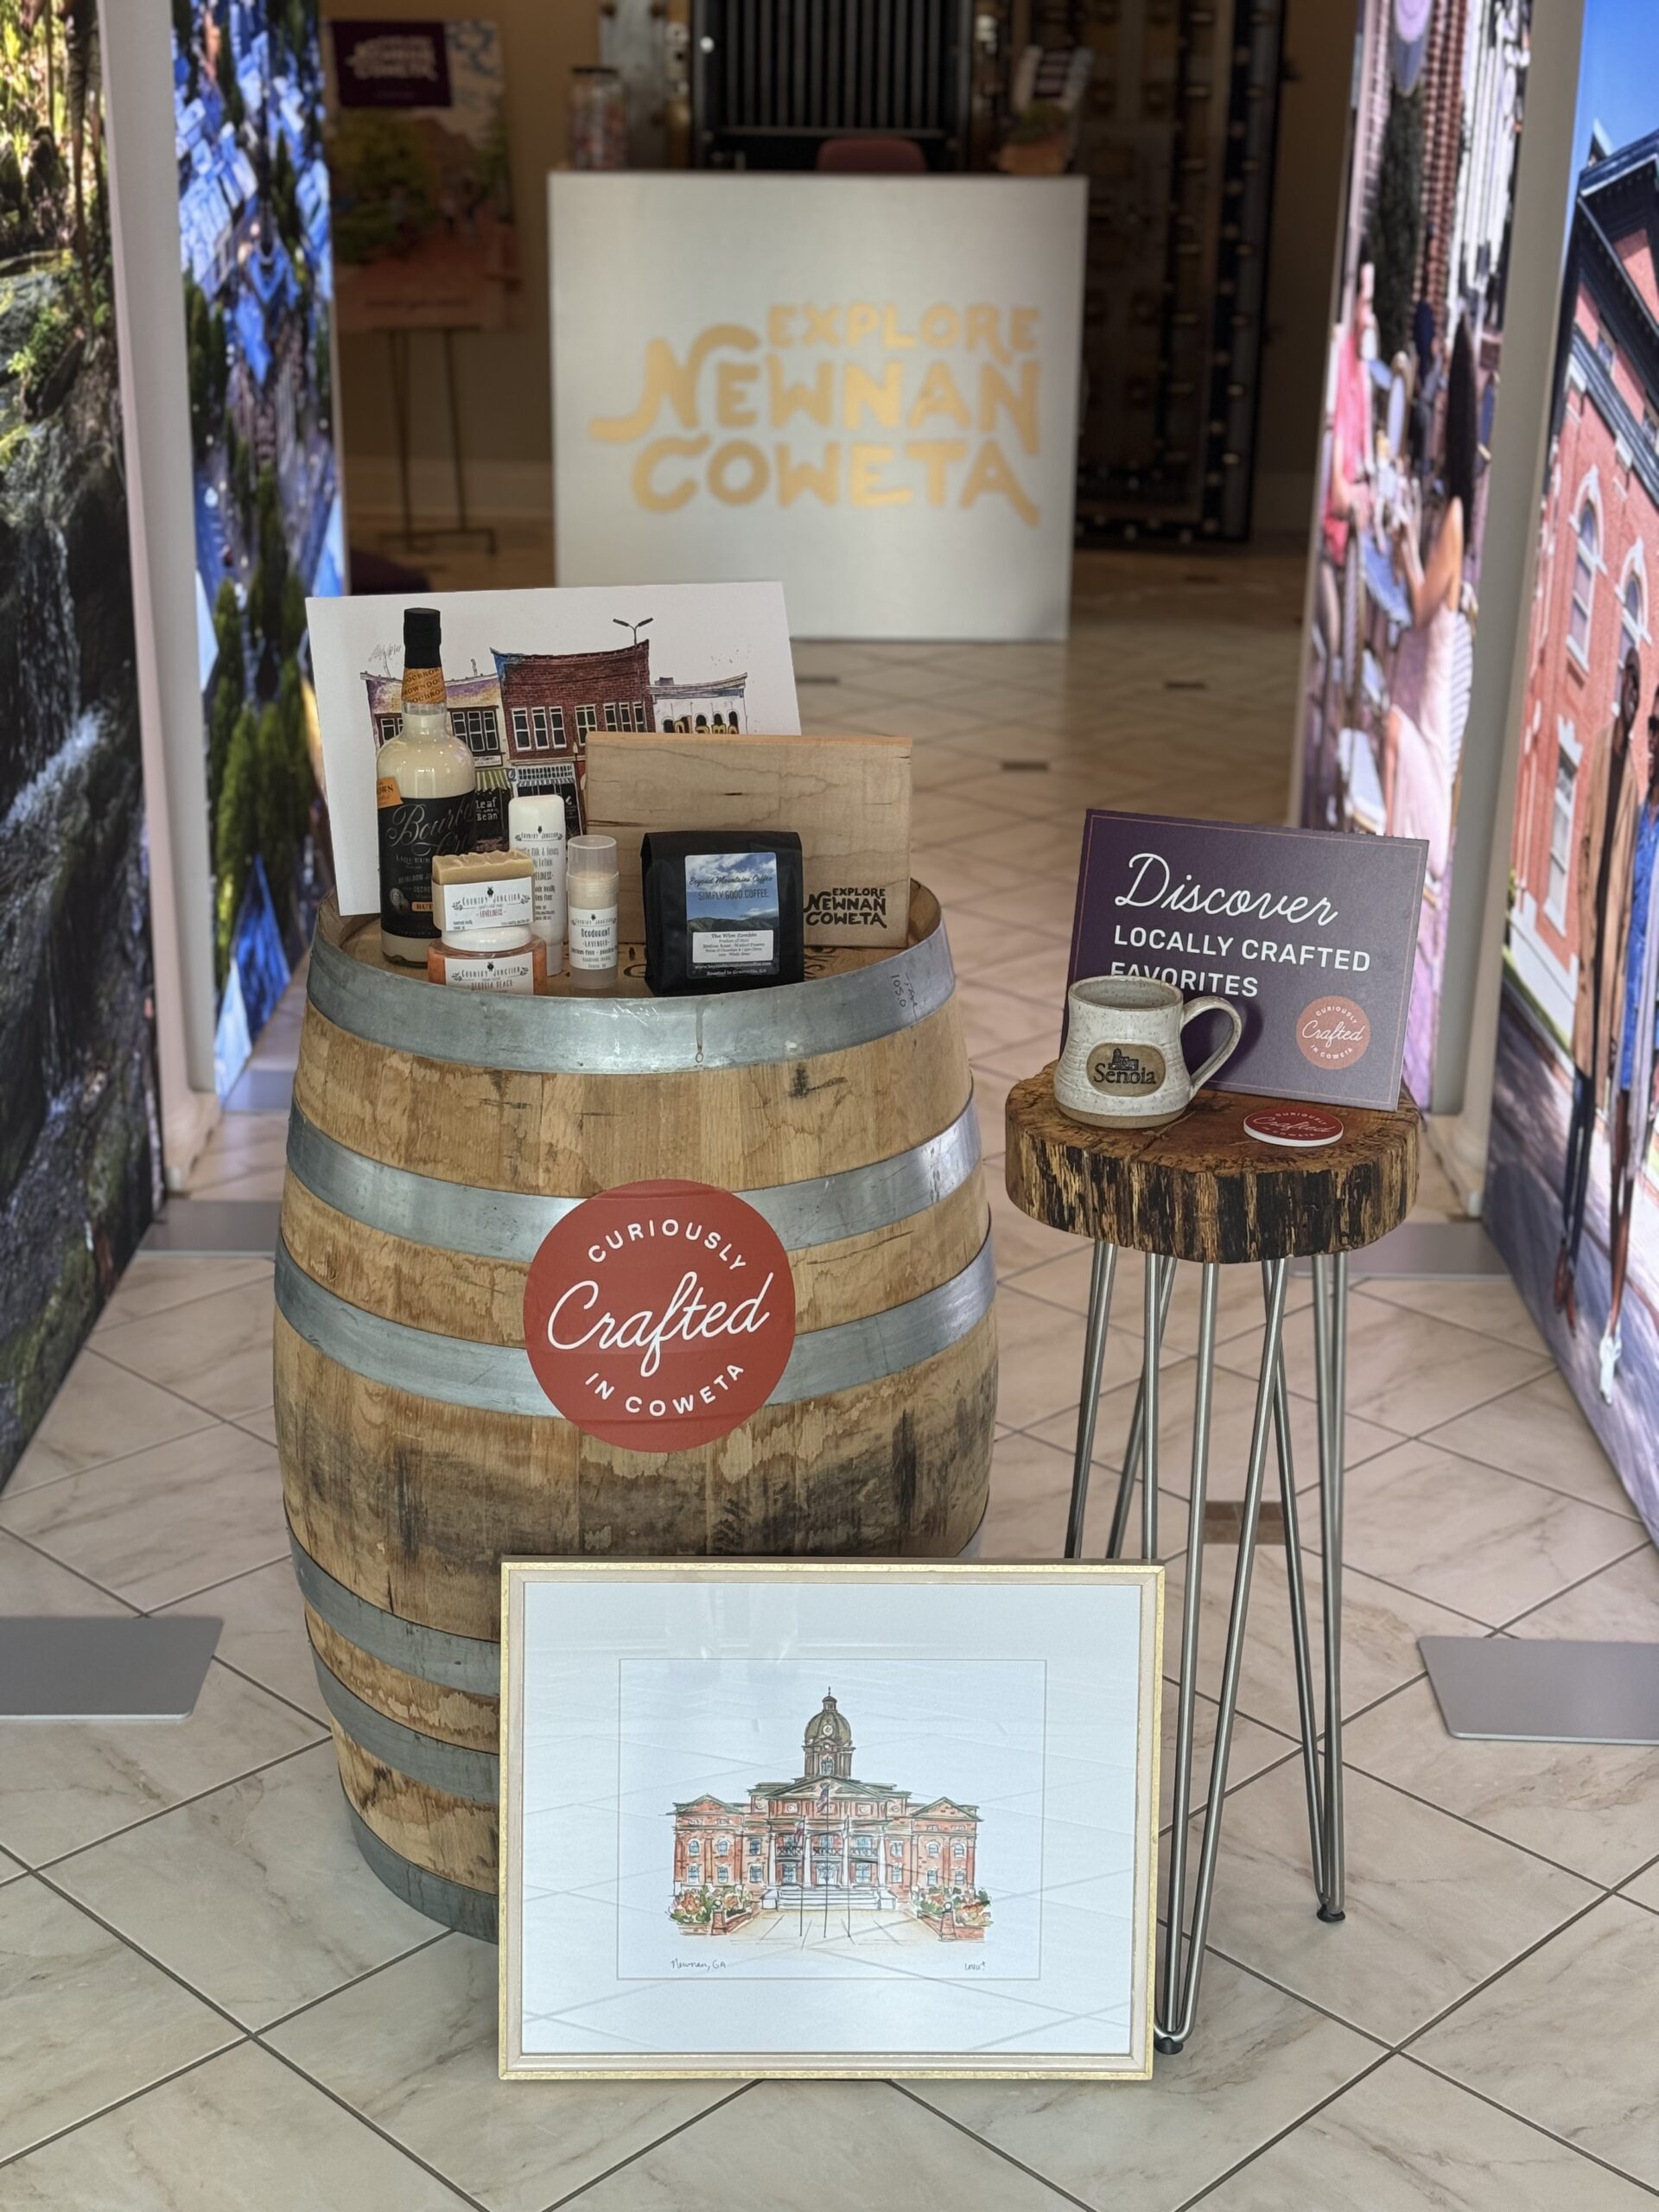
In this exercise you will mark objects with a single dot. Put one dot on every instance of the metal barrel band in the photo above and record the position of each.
(499, 1378)
(604, 1036)
(511, 1225)
(472, 1911)
(475, 1776)
(431, 1654)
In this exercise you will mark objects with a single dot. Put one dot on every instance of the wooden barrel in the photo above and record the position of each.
(437, 1137)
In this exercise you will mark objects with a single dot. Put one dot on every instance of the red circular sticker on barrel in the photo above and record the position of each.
(1333, 1032)
(660, 1315)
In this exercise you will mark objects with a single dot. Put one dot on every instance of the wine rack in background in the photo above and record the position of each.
(1177, 137)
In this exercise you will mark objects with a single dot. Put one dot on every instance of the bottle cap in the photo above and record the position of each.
(506, 938)
(423, 631)
(592, 853)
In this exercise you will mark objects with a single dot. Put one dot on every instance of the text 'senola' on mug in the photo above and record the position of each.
(1123, 1067)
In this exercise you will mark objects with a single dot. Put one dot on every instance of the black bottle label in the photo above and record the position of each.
(412, 831)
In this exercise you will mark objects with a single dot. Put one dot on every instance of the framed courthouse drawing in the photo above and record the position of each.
(828, 1818)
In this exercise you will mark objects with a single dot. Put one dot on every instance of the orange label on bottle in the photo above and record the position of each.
(423, 687)
(386, 793)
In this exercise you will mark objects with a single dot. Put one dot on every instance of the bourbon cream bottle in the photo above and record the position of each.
(423, 796)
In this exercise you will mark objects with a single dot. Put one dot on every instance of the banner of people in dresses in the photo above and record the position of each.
(1412, 388)
(1572, 1197)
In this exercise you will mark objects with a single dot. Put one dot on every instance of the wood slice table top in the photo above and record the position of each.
(1201, 1189)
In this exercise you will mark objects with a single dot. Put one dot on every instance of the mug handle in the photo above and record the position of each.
(1222, 1053)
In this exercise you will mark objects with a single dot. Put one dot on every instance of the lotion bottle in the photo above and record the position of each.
(536, 826)
(425, 779)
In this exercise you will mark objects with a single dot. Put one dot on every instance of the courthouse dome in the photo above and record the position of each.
(828, 1742)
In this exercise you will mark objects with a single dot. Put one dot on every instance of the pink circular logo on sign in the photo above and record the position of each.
(1333, 1032)
(660, 1315)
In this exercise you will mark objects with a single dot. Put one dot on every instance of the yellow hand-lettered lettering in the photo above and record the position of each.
(778, 329)
(941, 326)
(734, 400)
(994, 392)
(738, 453)
(939, 396)
(983, 327)
(936, 455)
(817, 400)
(892, 337)
(862, 322)
(674, 381)
(881, 399)
(820, 327)
(795, 477)
(645, 467)
(864, 464)
(991, 472)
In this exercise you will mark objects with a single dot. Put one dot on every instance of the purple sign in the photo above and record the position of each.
(391, 64)
(1312, 934)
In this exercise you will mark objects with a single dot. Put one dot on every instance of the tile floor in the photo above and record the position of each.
(209, 2005)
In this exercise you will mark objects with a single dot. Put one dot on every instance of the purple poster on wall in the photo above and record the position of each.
(1311, 933)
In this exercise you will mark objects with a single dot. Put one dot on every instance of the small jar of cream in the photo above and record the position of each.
(489, 960)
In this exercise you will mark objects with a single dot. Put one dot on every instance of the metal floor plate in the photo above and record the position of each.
(1536, 1690)
(103, 1670)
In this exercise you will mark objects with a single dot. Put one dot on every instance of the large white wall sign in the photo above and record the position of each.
(867, 386)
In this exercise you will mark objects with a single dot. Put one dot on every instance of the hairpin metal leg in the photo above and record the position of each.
(1166, 1271)
(1094, 1354)
(1296, 1587)
(1329, 1362)
(1176, 2023)
(1190, 1625)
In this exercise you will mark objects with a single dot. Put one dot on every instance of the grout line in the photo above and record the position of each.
(1538, 2127)
(79, 1574)
(189, 1597)
(1386, 1781)
(78, 1904)
(194, 1798)
(985, 2143)
(323, 2089)
(1642, 1545)
(12, 2157)
(1491, 1979)
(1284, 2133)
(287, 2019)
(10, 1496)
(719, 2104)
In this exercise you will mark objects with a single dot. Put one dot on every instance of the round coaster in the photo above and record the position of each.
(1302, 1128)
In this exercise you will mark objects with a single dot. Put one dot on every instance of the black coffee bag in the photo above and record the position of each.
(724, 909)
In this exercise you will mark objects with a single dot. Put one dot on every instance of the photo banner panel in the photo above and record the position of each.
(1407, 441)
(1573, 1188)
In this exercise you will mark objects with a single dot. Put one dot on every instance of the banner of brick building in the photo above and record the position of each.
(1573, 1198)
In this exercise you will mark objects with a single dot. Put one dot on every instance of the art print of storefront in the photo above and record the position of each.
(826, 1833)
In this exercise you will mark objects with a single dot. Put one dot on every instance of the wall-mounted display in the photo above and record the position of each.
(529, 677)
(1412, 393)
(1573, 1191)
(79, 1134)
(258, 291)
(703, 1735)
(425, 234)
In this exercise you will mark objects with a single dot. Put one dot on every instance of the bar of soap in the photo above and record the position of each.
(482, 891)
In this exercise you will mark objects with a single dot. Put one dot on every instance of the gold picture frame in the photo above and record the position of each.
(633, 1629)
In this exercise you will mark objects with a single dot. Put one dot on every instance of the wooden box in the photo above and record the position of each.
(847, 798)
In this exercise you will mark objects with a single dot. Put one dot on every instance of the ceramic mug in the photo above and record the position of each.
(1123, 1067)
